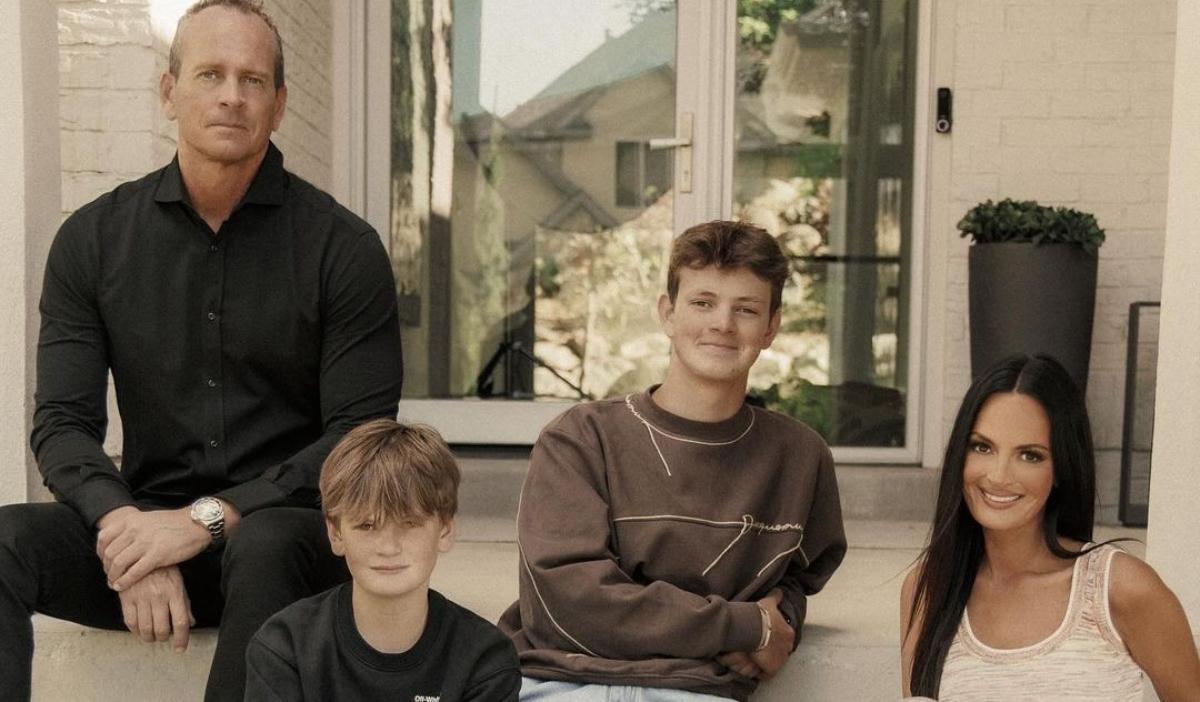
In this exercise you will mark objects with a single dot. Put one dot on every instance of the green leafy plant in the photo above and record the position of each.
(1027, 221)
(798, 398)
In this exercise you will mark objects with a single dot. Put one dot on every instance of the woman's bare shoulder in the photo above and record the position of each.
(1133, 584)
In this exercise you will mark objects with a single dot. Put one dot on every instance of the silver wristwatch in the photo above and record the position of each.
(209, 513)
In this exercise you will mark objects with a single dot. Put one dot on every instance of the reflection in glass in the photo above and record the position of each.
(823, 144)
(540, 278)
(531, 221)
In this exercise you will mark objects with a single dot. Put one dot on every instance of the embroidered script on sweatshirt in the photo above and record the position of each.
(747, 524)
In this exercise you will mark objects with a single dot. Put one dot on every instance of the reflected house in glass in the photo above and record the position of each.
(562, 200)
(561, 219)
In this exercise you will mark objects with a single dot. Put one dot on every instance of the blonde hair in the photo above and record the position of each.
(387, 471)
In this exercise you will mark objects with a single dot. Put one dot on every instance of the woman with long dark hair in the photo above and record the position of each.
(1011, 600)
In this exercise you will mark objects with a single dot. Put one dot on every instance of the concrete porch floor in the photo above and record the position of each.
(849, 651)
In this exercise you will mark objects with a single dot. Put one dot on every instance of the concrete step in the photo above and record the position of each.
(492, 479)
(72, 663)
(891, 493)
(851, 628)
(849, 649)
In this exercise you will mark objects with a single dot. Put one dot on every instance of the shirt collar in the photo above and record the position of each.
(269, 186)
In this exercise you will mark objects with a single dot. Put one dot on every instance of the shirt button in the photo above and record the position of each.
(212, 316)
(212, 383)
(213, 443)
(214, 248)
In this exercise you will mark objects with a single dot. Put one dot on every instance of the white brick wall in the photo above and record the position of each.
(1067, 102)
(108, 73)
(305, 136)
(112, 125)
(112, 128)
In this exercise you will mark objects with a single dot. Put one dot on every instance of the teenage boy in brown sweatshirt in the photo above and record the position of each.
(669, 539)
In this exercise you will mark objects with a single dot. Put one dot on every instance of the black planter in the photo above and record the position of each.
(1032, 299)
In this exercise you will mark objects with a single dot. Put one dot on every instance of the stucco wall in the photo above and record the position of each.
(1068, 103)
(111, 126)
(29, 179)
(1174, 520)
(12, 261)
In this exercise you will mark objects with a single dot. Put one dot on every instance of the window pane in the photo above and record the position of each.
(541, 281)
(657, 177)
(823, 162)
(629, 173)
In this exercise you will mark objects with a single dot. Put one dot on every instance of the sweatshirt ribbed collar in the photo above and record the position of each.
(716, 432)
(351, 640)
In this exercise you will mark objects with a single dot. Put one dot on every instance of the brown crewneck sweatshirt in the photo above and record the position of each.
(646, 539)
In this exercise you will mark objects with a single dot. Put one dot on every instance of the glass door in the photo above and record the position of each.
(544, 152)
(533, 286)
(823, 160)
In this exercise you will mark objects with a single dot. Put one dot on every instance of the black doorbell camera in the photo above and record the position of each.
(945, 111)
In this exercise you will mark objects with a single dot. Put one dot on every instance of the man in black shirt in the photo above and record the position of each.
(248, 322)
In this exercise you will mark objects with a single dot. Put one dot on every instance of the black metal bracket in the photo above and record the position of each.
(1130, 513)
(484, 387)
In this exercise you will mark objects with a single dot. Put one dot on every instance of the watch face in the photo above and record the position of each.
(207, 510)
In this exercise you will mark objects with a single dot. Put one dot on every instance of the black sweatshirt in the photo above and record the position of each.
(312, 651)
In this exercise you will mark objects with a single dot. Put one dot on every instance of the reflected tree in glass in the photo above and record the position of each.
(822, 127)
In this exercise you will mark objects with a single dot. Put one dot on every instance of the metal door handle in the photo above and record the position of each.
(669, 143)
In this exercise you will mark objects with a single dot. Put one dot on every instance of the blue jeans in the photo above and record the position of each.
(533, 690)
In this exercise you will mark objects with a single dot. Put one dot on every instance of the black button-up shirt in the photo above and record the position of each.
(239, 358)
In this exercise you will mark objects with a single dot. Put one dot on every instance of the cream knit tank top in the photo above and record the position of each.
(1083, 661)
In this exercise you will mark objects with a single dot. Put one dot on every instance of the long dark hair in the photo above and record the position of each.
(947, 567)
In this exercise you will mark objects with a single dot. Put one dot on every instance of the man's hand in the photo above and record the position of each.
(771, 659)
(740, 663)
(132, 543)
(156, 608)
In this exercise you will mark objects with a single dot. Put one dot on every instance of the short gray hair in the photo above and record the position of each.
(249, 7)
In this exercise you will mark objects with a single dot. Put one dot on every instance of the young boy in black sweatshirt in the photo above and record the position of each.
(389, 493)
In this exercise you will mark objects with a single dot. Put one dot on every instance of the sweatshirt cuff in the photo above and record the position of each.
(97, 497)
(252, 495)
(745, 631)
(788, 609)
